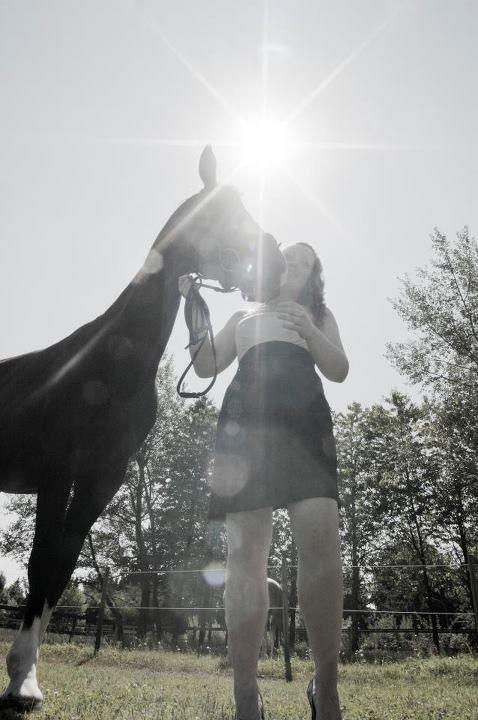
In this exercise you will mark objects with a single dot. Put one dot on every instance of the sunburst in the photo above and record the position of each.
(265, 142)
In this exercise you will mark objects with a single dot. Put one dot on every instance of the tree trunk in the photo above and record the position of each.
(144, 613)
(426, 580)
(143, 564)
(118, 617)
(293, 595)
(355, 590)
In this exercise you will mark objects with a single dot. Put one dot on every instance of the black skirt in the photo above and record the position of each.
(275, 443)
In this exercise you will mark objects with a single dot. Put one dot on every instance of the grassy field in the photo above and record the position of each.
(127, 685)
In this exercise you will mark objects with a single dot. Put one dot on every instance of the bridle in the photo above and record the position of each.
(195, 303)
(228, 259)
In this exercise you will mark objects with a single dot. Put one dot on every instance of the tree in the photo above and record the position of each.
(13, 594)
(360, 506)
(17, 538)
(407, 474)
(455, 494)
(441, 308)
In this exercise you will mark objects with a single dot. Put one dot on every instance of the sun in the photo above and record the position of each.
(264, 142)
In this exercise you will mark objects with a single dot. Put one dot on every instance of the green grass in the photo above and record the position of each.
(141, 685)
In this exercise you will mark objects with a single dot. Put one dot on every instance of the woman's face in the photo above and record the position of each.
(300, 261)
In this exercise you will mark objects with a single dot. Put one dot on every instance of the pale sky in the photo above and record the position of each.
(106, 107)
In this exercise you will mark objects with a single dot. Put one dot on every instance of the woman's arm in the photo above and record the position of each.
(324, 343)
(224, 342)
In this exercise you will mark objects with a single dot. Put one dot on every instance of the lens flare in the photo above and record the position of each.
(214, 574)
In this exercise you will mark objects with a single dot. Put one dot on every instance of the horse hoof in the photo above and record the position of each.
(20, 704)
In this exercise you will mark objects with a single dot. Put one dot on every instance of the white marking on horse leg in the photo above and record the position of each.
(44, 620)
(22, 659)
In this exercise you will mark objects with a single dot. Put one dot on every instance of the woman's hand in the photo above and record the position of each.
(296, 318)
(184, 284)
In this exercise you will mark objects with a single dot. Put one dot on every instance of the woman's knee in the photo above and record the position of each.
(249, 536)
(316, 531)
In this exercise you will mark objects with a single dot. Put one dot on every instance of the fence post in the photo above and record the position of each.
(101, 612)
(72, 628)
(285, 619)
(472, 561)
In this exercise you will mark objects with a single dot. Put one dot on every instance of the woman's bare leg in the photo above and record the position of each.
(249, 536)
(320, 589)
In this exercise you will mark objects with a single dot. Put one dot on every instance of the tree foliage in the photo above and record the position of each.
(407, 486)
(440, 307)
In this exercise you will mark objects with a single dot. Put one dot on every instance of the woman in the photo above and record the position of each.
(275, 448)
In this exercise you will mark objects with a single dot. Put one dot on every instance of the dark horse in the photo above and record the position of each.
(275, 620)
(72, 414)
(274, 624)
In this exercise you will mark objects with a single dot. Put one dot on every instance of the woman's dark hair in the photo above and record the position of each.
(312, 294)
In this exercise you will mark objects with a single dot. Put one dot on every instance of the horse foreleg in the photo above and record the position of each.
(23, 692)
(59, 538)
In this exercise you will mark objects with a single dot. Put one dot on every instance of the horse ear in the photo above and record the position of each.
(207, 168)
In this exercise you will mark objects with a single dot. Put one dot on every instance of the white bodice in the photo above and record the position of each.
(263, 325)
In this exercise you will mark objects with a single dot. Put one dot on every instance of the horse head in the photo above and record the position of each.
(223, 239)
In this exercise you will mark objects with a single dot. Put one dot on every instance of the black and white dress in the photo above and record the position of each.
(275, 443)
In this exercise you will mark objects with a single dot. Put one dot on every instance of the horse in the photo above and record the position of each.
(274, 623)
(71, 415)
(275, 620)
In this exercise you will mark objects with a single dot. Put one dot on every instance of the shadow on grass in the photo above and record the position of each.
(8, 710)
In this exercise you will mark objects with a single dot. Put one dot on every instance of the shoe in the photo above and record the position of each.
(310, 698)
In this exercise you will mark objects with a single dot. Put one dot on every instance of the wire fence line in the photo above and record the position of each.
(178, 619)
(222, 609)
(206, 569)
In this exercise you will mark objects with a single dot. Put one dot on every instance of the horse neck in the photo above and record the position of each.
(146, 310)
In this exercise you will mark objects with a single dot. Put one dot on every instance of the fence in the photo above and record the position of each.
(210, 619)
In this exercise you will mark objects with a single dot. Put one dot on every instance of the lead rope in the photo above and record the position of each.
(195, 302)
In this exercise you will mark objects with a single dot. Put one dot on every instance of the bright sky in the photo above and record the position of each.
(106, 107)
